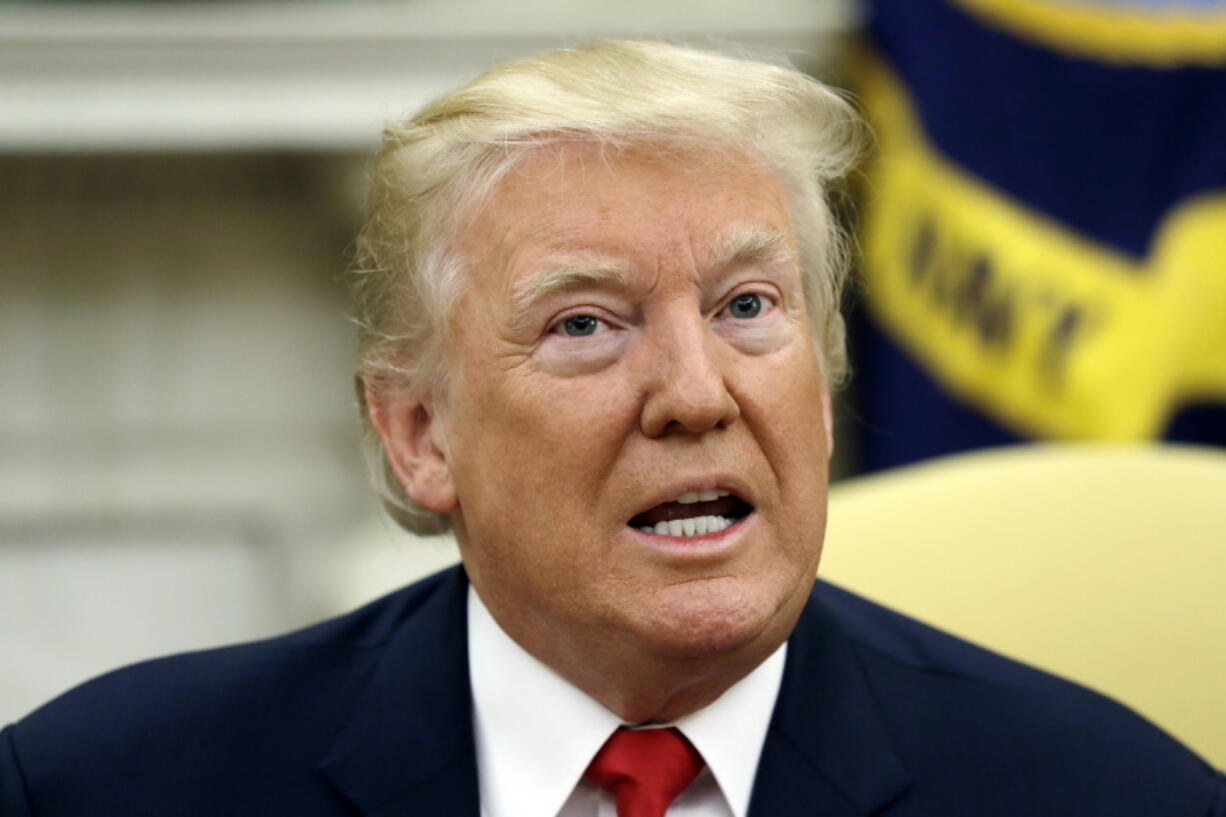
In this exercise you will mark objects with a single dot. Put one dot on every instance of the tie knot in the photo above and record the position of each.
(645, 769)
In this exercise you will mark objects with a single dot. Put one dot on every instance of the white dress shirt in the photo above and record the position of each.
(536, 733)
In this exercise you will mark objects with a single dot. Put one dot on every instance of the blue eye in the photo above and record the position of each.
(579, 325)
(748, 305)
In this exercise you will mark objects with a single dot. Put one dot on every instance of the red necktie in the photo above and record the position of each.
(645, 769)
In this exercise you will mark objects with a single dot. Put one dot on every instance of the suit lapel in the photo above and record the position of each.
(827, 751)
(408, 748)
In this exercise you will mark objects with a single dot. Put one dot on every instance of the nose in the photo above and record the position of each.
(686, 371)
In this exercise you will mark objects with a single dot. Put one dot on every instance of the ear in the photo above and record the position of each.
(828, 421)
(410, 431)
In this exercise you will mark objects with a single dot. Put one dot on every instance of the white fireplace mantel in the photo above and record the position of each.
(314, 75)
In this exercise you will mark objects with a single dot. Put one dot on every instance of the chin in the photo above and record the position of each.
(717, 616)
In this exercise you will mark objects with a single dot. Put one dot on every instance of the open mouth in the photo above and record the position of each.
(694, 513)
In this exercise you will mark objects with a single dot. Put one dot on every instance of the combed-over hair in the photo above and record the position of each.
(433, 170)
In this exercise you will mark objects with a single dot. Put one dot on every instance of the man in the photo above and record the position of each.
(598, 292)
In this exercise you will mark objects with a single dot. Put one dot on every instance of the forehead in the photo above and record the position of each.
(635, 208)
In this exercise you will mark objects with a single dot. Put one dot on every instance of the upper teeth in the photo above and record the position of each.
(690, 497)
(696, 525)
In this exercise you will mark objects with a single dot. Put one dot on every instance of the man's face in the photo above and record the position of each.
(635, 338)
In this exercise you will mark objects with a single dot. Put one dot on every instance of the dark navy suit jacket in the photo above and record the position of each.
(371, 714)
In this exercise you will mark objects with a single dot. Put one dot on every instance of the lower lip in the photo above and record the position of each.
(703, 542)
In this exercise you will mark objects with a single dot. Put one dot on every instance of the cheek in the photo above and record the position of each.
(543, 447)
(788, 410)
(534, 485)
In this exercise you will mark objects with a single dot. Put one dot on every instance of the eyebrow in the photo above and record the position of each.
(567, 275)
(754, 245)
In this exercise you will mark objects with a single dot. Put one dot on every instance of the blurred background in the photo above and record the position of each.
(1043, 228)
(180, 184)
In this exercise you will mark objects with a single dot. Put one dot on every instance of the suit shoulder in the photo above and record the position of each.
(275, 702)
(202, 678)
(921, 646)
(974, 708)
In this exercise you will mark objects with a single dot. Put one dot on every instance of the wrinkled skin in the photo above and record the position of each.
(573, 412)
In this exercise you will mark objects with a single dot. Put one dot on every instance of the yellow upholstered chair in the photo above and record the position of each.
(1103, 564)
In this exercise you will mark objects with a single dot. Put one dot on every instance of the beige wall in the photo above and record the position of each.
(176, 420)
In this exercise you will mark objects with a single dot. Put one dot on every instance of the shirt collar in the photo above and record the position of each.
(730, 731)
(536, 732)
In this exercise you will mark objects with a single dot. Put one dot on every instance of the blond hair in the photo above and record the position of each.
(432, 170)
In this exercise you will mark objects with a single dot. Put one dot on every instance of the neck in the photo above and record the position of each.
(636, 684)
(663, 695)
